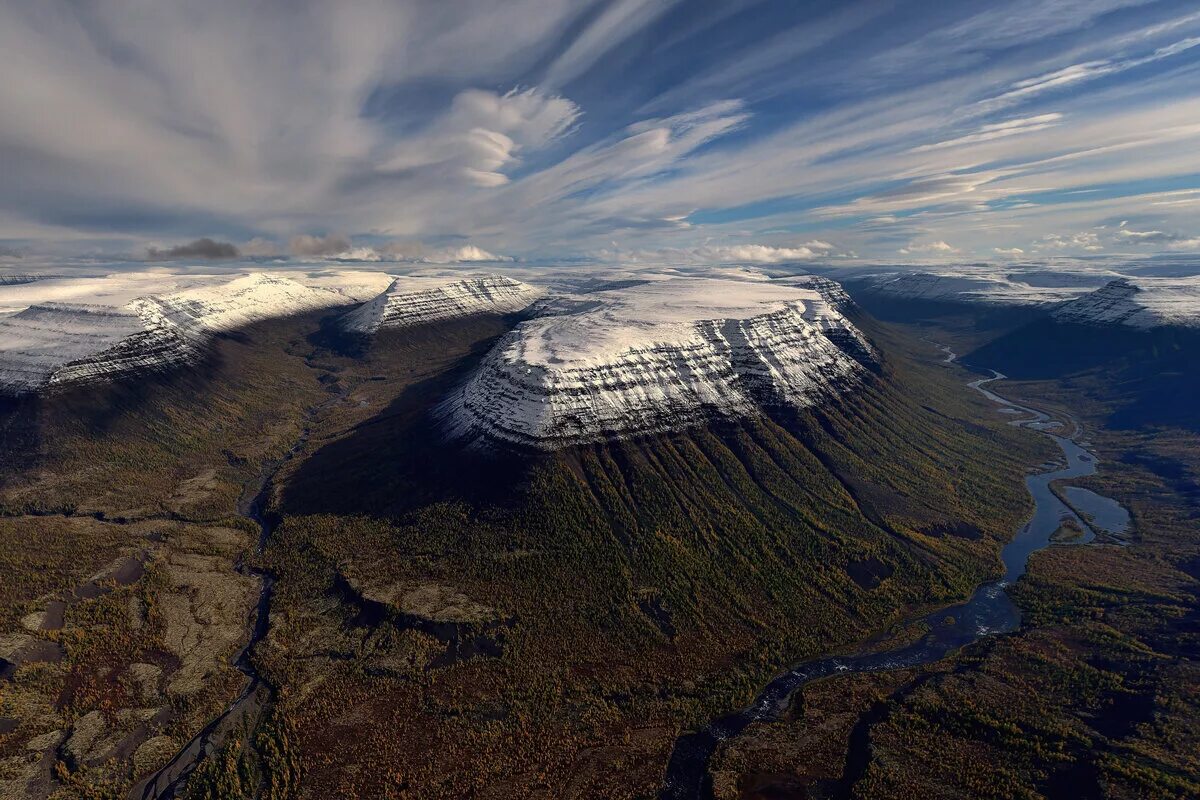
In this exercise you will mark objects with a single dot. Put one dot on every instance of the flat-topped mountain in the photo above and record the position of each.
(1148, 303)
(53, 344)
(418, 300)
(658, 356)
(965, 285)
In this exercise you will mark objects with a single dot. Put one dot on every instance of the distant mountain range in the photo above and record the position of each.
(608, 360)
(1133, 339)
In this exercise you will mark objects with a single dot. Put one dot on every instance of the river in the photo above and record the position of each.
(245, 709)
(988, 612)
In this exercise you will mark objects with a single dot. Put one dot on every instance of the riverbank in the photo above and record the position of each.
(988, 612)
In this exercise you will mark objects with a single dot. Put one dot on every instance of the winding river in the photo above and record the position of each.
(988, 612)
(245, 709)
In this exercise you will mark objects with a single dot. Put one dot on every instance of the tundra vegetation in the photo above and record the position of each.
(450, 622)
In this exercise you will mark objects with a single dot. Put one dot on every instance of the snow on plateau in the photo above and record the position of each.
(658, 356)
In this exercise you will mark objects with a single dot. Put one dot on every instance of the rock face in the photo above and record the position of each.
(1155, 302)
(50, 345)
(656, 357)
(828, 288)
(412, 301)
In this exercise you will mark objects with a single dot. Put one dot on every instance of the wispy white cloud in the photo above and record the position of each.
(721, 254)
(1028, 88)
(996, 130)
(938, 247)
(596, 120)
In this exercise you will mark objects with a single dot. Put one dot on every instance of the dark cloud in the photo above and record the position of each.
(330, 245)
(201, 248)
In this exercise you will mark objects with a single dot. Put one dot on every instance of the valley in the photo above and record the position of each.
(466, 607)
(600, 400)
(380, 605)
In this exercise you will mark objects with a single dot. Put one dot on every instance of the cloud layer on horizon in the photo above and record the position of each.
(677, 130)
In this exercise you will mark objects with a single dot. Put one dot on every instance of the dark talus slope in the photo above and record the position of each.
(546, 624)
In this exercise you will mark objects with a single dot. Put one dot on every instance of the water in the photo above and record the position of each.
(988, 612)
(257, 692)
(1105, 514)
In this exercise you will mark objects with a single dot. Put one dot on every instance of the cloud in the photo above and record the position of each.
(929, 248)
(997, 130)
(482, 134)
(1086, 240)
(1027, 88)
(539, 127)
(338, 247)
(260, 247)
(762, 254)
(1145, 237)
(619, 20)
(720, 254)
(1010, 252)
(1171, 241)
(200, 248)
(465, 253)
(328, 245)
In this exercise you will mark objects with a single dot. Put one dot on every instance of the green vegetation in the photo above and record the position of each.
(443, 622)
(1098, 695)
(746, 535)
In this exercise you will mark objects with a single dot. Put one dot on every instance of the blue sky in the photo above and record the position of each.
(620, 130)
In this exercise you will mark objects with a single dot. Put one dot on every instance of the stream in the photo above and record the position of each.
(257, 693)
(989, 611)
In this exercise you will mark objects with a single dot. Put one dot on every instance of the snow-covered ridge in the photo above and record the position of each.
(1146, 303)
(1038, 286)
(987, 285)
(14, 280)
(655, 357)
(51, 344)
(415, 300)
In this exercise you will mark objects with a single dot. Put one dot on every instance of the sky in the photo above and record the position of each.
(702, 131)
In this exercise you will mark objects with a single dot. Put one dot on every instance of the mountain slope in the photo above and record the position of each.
(1133, 346)
(413, 301)
(629, 585)
(50, 345)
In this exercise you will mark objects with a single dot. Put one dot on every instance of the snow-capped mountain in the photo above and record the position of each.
(51, 344)
(418, 300)
(828, 288)
(1148, 303)
(657, 356)
(979, 285)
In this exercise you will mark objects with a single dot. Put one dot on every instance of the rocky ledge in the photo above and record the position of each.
(416, 300)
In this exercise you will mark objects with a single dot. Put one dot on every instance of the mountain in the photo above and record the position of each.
(765, 474)
(1148, 303)
(51, 344)
(658, 356)
(701, 477)
(990, 286)
(412, 301)
(1134, 344)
